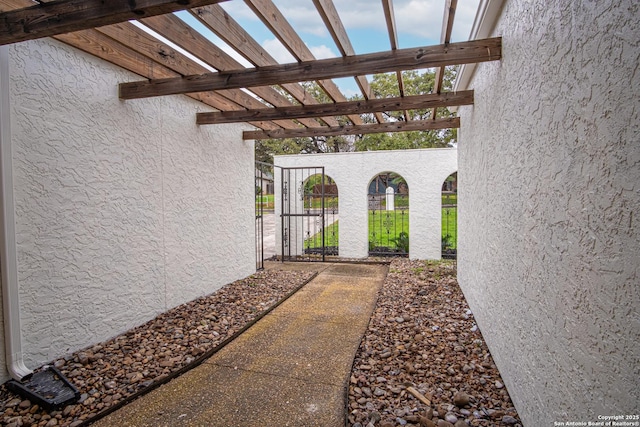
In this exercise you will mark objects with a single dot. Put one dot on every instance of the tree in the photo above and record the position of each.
(415, 83)
(383, 86)
(267, 148)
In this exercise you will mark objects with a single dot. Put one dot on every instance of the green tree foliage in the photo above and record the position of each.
(383, 86)
(415, 83)
(267, 148)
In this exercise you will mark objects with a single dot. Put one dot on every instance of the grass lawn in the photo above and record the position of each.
(450, 226)
(449, 219)
(266, 201)
(379, 235)
(330, 237)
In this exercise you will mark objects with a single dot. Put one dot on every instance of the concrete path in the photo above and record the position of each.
(289, 369)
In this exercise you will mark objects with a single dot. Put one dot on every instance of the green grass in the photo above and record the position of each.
(450, 226)
(316, 202)
(266, 201)
(450, 199)
(378, 235)
(330, 237)
(331, 232)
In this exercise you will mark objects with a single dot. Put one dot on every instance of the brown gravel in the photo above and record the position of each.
(112, 371)
(422, 335)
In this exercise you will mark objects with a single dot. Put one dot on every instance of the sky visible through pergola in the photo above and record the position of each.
(419, 23)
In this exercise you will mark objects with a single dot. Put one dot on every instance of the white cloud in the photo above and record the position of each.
(322, 52)
(278, 51)
(421, 18)
(303, 17)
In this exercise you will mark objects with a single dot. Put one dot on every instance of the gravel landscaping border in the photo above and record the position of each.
(111, 374)
(422, 341)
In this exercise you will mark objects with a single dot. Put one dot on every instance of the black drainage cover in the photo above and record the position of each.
(48, 388)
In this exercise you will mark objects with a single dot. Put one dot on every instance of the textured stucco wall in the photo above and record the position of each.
(549, 189)
(424, 171)
(123, 209)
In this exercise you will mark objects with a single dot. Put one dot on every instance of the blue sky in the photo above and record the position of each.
(419, 23)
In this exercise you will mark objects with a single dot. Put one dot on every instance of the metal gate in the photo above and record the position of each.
(309, 214)
(388, 216)
(449, 225)
(263, 201)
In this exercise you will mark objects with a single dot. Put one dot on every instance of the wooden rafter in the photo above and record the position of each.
(390, 17)
(417, 102)
(415, 125)
(98, 44)
(404, 59)
(64, 16)
(144, 43)
(445, 38)
(177, 31)
(224, 26)
(277, 23)
(334, 24)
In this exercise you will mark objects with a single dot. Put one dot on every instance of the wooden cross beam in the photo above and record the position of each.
(417, 102)
(414, 125)
(405, 59)
(64, 16)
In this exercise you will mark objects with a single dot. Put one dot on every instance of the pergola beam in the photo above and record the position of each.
(224, 26)
(417, 102)
(64, 16)
(405, 59)
(329, 14)
(390, 17)
(273, 19)
(416, 125)
(445, 38)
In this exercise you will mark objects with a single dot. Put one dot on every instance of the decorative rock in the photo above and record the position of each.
(443, 423)
(83, 358)
(461, 423)
(508, 419)
(13, 402)
(25, 404)
(426, 422)
(451, 417)
(379, 392)
(374, 416)
(498, 384)
(461, 399)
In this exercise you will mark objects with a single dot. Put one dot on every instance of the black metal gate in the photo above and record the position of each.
(309, 214)
(388, 197)
(449, 225)
(263, 201)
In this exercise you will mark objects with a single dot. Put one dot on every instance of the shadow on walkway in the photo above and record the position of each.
(289, 369)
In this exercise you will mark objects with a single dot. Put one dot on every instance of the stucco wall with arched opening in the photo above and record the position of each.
(424, 170)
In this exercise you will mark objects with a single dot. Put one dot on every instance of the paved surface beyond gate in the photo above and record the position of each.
(289, 369)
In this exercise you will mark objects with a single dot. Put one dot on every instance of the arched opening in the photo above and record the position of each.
(450, 217)
(388, 198)
(320, 201)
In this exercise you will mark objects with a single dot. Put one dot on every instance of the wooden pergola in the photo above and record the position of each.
(105, 29)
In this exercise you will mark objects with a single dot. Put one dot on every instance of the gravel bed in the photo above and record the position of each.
(108, 373)
(422, 337)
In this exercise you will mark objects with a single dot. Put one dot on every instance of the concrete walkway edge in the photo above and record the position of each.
(291, 368)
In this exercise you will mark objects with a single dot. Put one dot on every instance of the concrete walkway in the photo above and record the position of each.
(289, 369)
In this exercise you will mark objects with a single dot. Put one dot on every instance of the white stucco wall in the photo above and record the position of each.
(424, 170)
(549, 189)
(123, 209)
